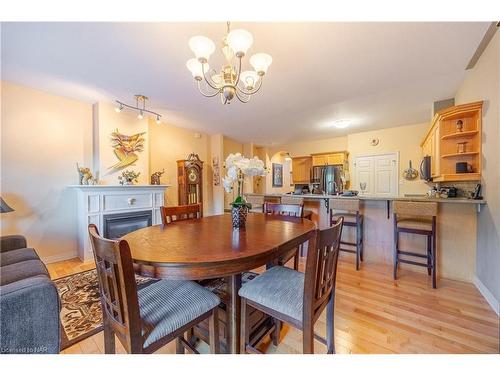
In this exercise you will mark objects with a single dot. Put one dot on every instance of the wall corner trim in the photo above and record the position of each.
(490, 298)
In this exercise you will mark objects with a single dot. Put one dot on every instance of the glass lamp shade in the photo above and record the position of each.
(249, 79)
(240, 41)
(4, 207)
(202, 47)
(196, 68)
(261, 62)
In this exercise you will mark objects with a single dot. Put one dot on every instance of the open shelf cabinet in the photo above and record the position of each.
(443, 141)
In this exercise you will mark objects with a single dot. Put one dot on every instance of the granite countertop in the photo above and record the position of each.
(413, 198)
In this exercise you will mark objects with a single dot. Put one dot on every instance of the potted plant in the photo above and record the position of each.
(237, 167)
(128, 177)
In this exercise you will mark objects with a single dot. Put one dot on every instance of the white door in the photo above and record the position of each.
(386, 175)
(364, 175)
(377, 174)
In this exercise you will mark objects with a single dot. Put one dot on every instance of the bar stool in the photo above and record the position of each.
(306, 214)
(349, 209)
(288, 199)
(416, 218)
(257, 202)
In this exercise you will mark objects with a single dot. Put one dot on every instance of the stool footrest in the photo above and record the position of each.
(412, 254)
(348, 250)
(414, 263)
(348, 243)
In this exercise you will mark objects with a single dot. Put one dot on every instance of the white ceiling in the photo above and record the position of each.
(377, 74)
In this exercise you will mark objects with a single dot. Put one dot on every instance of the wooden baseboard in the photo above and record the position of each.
(60, 257)
(488, 296)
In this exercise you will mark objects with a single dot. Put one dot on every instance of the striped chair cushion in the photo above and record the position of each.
(170, 304)
(280, 289)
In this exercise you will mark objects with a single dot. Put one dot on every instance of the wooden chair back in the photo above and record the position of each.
(284, 209)
(406, 208)
(118, 289)
(321, 270)
(178, 213)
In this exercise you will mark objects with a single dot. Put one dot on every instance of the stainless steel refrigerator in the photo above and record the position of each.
(328, 178)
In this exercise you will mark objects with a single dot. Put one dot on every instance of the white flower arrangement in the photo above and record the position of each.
(237, 166)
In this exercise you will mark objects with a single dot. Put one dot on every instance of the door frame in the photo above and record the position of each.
(392, 153)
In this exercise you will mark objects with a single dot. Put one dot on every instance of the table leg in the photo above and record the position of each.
(234, 313)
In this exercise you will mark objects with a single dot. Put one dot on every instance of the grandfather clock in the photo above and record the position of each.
(190, 179)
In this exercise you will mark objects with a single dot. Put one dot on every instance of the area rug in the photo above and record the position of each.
(81, 314)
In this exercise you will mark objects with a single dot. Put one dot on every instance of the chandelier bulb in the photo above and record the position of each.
(158, 119)
(119, 108)
(140, 116)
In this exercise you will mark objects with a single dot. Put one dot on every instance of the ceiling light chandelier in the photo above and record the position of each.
(230, 82)
(140, 105)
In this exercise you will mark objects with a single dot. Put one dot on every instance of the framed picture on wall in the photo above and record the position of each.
(277, 175)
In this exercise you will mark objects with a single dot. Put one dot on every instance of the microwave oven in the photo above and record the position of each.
(425, 168)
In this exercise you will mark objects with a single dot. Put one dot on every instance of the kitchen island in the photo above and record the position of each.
(456, 230)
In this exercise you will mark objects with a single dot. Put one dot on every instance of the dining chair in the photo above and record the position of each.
(281, 209)
(145, 320)
(178, 213)
(298, 298)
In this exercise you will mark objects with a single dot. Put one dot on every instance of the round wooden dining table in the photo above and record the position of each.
(209, 247)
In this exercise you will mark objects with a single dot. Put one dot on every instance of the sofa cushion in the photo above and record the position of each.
(16, 256)
(29, 322)
(22, 270)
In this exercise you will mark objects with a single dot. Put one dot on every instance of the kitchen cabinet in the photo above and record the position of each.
(442, 139)
(334, 158)
(301, 169)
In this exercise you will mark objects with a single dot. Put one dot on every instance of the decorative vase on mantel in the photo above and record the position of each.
(237, 168)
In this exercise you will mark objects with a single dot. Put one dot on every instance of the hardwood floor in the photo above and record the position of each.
(374, 314)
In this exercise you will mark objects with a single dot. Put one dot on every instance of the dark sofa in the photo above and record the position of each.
(29, 302)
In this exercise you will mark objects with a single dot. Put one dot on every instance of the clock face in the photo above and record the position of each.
(192, 176)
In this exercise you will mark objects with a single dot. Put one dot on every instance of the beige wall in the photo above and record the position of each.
(404, 139)
(483, 83)
(278, 158)
(168, 144)
(217, 152)
(230, 146)
(43, 136)
(312, 147)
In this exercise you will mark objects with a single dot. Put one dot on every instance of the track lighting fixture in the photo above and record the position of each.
(140, 105)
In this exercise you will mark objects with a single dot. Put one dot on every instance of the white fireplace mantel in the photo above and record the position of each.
(95, 201)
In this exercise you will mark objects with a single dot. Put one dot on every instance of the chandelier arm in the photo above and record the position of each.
(210, 77)
(251, 92)
(239, 72)
(242, 99)
(207, 95)
(207, 80)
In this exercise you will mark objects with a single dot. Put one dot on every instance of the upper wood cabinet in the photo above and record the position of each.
(334, 158)
(301, 169)
(455, 136)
